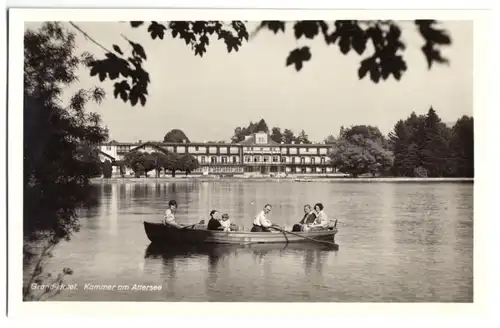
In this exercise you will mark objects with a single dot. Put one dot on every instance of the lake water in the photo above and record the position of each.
(403, 242)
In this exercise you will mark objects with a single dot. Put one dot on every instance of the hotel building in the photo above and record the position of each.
(256, 155)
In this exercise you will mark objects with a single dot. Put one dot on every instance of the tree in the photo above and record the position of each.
(56, 170)
(88, 154)
(330, 139)
(188, 163)
(159, 160)
(173, 163)
(424, 146)
(107, 169)
(175, 136)
(288, 136)
(462, 146)
(148, 163)
(435, 153)
(133, 159)
(261, 126)
(139, 170)
(367, 131)
(276, 135)
(360, 155)
(143, 162)
(382, 37)
(121, 166)
(405, 152)
(303, 138)
(241, 132)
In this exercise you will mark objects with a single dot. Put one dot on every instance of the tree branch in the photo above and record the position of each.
(88, 37)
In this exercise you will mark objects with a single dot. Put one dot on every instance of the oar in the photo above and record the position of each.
(193, 225)
(308, 238)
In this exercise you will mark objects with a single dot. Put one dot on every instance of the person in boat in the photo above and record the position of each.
(215, 221)
(321, 221)
(225, 223)
(169, 217)
(309, 218)
(261, 222)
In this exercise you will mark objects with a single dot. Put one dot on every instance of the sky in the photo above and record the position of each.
(209, 97)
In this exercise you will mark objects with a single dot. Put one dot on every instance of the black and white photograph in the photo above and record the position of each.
(208, 159)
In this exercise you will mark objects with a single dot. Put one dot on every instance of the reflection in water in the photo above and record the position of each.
(398, 242)
(222, 261)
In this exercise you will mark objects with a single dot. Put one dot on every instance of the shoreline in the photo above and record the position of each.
(269, 179)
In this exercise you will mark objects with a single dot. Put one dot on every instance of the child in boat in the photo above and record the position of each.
(225, 223)
(169, 214)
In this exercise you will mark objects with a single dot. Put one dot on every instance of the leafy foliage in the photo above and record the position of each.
(128, 69)
(383, 37)
(287, 136)
(188, 163)
(175, 136)
(59, 145)
(329, 140)
(143, 162)
(357, 154)
(107, 169)
(303, 138)
(462, 147)
(425, 146)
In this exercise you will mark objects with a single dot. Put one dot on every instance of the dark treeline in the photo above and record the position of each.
(424, 146)
(419, 146)
(286, 136)
(143, 162)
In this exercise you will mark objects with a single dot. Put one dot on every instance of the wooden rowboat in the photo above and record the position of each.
(165, 251)
(160, 233)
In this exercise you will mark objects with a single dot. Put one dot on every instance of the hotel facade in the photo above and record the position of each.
(256, 155)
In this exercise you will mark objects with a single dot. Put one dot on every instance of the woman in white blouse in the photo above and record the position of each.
(321, 221)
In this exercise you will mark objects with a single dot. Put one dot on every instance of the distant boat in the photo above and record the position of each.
(159, 233)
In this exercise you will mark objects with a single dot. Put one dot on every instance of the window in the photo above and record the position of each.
(203, 160)
(196, 148)
(213, 159)
(283, 159)
(108, 148)
(224, 160)
(293, 160)
(275, 159)
(302, 160)
(312, 160)
(322, 160)
(266, 159)
(247, 159)
(256, 159)
(234, 159)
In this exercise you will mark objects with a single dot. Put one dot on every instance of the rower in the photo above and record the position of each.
(261, 222)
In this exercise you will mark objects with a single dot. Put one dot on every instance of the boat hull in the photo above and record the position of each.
(160, 233)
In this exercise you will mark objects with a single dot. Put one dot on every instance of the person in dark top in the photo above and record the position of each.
(214, 222)
(309, 217)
